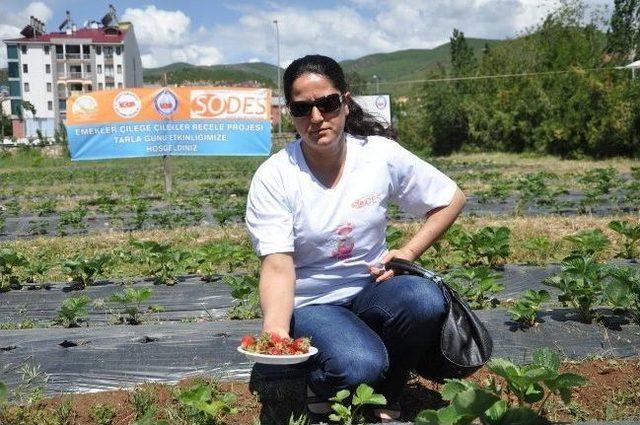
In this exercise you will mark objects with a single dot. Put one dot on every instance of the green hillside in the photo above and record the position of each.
(405, 65)
(179, 73)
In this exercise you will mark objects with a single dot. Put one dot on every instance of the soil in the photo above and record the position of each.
(612, 393)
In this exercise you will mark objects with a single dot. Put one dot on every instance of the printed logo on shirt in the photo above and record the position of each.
(367, 201)
(344, 242)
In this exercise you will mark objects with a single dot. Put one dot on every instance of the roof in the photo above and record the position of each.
(97, 35)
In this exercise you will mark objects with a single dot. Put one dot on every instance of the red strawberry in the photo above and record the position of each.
(247, 341)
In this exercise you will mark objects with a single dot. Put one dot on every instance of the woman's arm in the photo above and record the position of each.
(437, 222)
(277, 284)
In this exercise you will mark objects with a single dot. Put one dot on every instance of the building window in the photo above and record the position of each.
(98, 50)
(100, 86)
(12, 52)
(47, 68)
(50, 105)
(14, 88)
(99, 69)
(25, 68)
(26, 87)
(109, 86)
(108, 70)
(119, 69)
(118, 50)
(88, 68)
(119, 85)
(14, 70)
(24, 49)
(46, 50)
(49, 87)
(15, 107)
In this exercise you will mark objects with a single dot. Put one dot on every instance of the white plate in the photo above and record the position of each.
(278, 359)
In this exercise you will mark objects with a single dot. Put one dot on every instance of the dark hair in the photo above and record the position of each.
(358, 122)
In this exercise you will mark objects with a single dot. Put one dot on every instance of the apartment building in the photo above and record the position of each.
(46, 68)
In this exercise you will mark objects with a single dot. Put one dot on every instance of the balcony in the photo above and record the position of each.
(76, 75)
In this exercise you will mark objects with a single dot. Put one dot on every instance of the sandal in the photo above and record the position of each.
(390, 413)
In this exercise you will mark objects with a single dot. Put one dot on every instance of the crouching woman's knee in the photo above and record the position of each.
(359, 367)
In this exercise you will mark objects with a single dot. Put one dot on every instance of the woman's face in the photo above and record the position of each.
(319, 130)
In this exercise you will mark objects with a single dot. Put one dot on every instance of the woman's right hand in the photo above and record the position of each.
(281, 332)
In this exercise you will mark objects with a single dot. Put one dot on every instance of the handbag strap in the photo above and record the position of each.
(407, 267)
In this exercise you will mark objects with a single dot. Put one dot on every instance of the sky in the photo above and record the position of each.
(210, 32)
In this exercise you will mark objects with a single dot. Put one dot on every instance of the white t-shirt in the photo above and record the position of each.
(336, 233)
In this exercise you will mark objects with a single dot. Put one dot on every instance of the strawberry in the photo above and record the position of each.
(247, 341)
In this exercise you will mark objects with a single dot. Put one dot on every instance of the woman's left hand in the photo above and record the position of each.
(380, 273)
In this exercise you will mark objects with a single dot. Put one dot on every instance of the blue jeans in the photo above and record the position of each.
(377, 339)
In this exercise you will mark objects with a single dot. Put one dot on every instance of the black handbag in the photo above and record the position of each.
(465, 343)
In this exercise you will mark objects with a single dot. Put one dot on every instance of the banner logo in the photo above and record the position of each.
(165, 103)
(85, 106)
(127, 104)
(221, 104)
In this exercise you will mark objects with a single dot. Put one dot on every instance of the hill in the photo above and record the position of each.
(406, 65)
(180, 73)
(394, 67)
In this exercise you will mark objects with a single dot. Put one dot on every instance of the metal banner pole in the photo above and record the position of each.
(166, 160)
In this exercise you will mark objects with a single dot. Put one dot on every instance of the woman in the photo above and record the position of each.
(316, 213)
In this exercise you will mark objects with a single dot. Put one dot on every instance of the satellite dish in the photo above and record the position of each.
(110, 17)
(28, 31)
(67, 22)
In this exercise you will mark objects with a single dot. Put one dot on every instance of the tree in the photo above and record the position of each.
(623, 36)
(25, 105)
(463, 59)
(356, 83)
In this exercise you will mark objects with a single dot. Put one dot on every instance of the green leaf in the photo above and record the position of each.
(426, 417)
(504, 368)
(341, 409)
(473, 402)
(452, 388)
(546, 357)
(534, 373)
(497, 410)
(534, 393)
(341, 395)
(567, 380)
(522, 416)
(565, 395)
(362, 395)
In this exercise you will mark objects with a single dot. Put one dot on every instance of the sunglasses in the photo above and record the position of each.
(324, 104)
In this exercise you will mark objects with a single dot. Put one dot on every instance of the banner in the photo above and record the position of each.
(378, 105)
(127, 123)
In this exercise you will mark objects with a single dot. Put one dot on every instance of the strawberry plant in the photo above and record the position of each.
(623, 290)
(72, 311)
(474, 284)
(525, 309)
(131, 299)
(140, 214)
(74, 218)
(83, 271)
(580, 280)
(45, 207)
(206, 404)
(351, 413)
(224, 255)
(10, 260)
(162, 262)
(588, 242)
(244, 288)
(631, 235)
(520, 401)
(488, 246)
